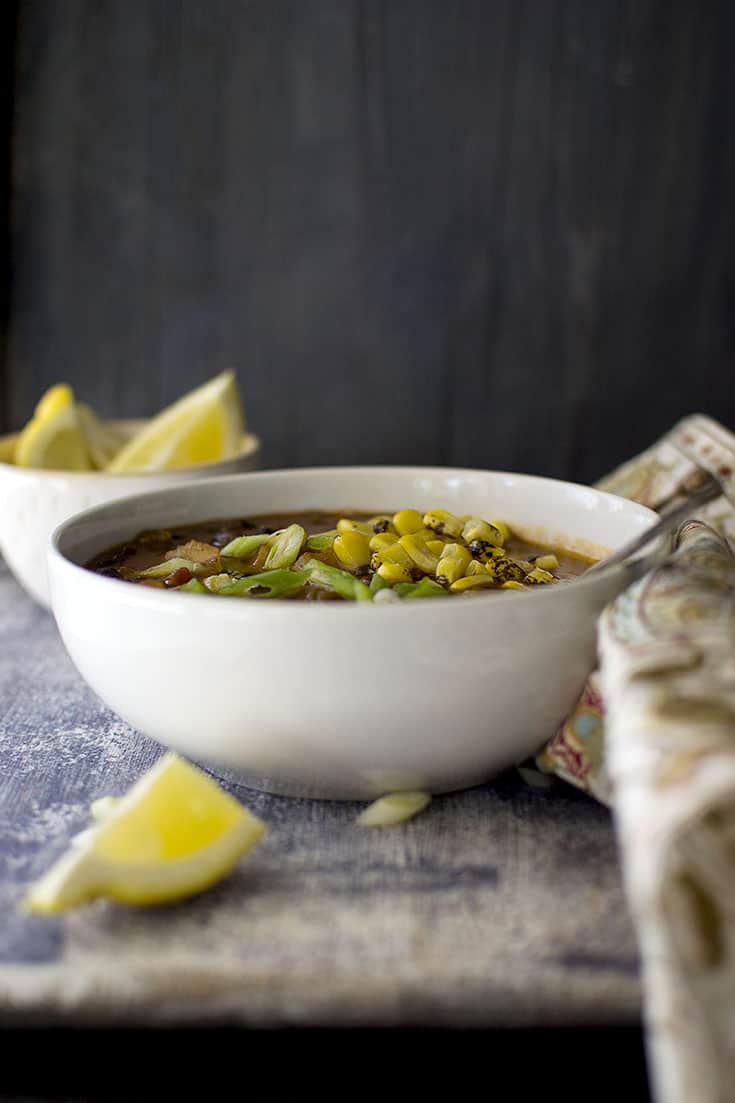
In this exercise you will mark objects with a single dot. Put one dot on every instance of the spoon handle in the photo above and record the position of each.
(668, 520)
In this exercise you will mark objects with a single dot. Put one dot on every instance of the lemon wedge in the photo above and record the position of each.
(173, 834)
(204, 426)
(102, 439)
(53, 438)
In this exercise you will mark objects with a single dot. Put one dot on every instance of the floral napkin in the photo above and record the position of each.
(654, 736)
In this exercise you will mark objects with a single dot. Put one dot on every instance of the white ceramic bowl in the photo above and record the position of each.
(338, 699)
(34, 501)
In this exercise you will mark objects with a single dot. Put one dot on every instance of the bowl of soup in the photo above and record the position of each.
(343, 632)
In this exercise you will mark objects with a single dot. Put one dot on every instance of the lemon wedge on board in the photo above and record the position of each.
(204, 426)
(53, 438)
(173, 834)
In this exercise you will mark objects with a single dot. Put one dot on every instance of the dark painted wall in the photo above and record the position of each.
(486, 232)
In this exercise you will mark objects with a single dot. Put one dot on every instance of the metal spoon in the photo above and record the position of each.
(669, 519)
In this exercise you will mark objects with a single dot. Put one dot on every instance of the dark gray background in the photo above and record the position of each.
(485, 232)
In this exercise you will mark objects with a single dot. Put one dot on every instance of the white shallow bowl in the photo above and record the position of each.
(34, 501)
(333, 699)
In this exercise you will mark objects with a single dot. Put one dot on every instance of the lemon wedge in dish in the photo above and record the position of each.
(53, 438)
(172, 835)
(204, 426)
(102, 439)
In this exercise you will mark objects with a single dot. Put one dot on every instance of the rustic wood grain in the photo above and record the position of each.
(498, 906)
(490, 232)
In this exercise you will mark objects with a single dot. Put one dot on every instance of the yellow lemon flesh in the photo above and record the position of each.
(173, 834)
(102, 439)
(53, 438)
(204, 426)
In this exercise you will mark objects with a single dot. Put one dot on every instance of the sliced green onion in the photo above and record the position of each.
(194, 586)
(332, 578)
(242, 546)
(320, 541)
(377, 583)
(425, 588)
(267, 584)
(163, 570)
(286, 547)
(393, 809)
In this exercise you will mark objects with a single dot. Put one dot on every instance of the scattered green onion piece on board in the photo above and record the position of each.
(393, 809)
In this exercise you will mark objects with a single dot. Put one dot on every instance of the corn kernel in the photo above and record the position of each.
(547, 563)
(537, 577)
(381, 523)
(512, 585)
(475, 582)
(436, 546)
(502, 529)
(346, 525)
(446, 524)
(392, 554)
(505, 570)
(475, 567)
(395, 572)
(453, 566)
(352, 549)
(407, 521)
(419, 552)
(476, 529)
(382, 540)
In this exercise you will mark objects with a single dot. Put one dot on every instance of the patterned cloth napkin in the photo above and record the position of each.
(654, 736)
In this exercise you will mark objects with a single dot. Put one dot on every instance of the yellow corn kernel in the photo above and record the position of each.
(477, 529)
(382, 540)
(453, 566)
(437, 546)
(395, 572)
(474, 582)
(512, 585)
(538, 577)
(547, 563)
(419, 552)
(446, 524)
(352, 549)
(392, 554)
(407, 521)
(381, 523)
(502, 568)
(524, 564)
(346, 525)
(475, 567)
(502, 529)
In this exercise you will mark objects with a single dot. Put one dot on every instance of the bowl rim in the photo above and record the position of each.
(250, 445)
(148, 598)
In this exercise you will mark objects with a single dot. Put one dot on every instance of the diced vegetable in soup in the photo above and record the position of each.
(344, 556)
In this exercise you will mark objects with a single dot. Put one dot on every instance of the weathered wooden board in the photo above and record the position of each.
(488, 232)
(502, 905)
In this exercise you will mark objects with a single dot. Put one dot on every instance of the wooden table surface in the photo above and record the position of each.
(498, 906)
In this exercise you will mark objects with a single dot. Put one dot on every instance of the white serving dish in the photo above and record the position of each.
(333, 699)
(34, 501)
